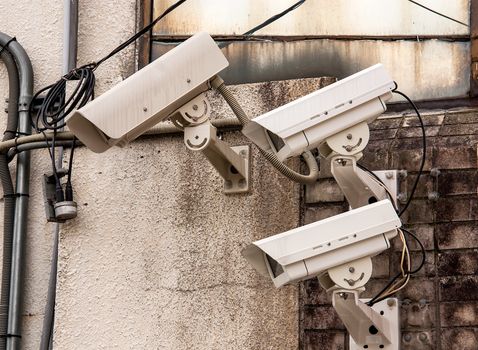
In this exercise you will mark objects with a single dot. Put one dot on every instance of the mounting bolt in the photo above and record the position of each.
(228, 184)
(242, 183)
(349, 136)
(407, 337)
(433, 196)
(402, 174)
(343, 295)
(423, 336)
(402, 197)
(351, 269)
(389, 175)
(195, 107)
(435, 172)
(243, 153)
(391, 302)
(145, 109)
(188, 80)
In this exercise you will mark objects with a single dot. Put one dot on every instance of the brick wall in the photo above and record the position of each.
(439, 307)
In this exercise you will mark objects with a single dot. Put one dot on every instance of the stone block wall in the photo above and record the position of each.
(439, 307)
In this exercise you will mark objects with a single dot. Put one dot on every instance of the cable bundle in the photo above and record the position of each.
(400, 280)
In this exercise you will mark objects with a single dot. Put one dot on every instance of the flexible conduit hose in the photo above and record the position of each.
(8, 193)
(309, 158)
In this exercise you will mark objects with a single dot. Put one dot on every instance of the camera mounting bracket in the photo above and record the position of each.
(359, 187)
(232, 163)
(373, 328)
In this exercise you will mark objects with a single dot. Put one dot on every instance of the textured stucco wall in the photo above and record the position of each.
(153, 259)
(38, 27)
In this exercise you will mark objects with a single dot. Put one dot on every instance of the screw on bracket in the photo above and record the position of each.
(402, 174)
(435, 172)
(352, 282)
(433, 196)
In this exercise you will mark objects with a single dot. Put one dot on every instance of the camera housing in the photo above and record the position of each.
(305, 123)
(311, 250)
(149, 96)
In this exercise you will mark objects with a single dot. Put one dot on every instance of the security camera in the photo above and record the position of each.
(148, 96)
(308, 121)
(311, 250)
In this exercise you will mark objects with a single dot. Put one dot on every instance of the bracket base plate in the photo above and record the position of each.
(390, 309)
(390, 178)
(235, 183)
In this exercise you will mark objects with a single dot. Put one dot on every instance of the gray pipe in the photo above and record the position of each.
(12, 152)
(70, 45)
(8, 192)
(25, 70)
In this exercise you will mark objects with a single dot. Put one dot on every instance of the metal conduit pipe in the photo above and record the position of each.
(22, 190)
(309, 158)
(160, 129)
(70, 46)
(65, 135)
(8, 193)
(12, 152)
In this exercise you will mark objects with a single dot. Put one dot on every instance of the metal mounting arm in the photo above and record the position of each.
(358, 186)
(344, 149)
(232, 163)
(375, 327)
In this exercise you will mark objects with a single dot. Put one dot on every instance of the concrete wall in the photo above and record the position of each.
(427, 54)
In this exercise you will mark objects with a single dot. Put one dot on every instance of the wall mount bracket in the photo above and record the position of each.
(232, 163)
(372, 328)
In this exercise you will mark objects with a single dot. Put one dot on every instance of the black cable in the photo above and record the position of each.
(72, 152)
(422, 164)
(410, 272)
(438, 13)
(379, 180)
(375, 299)
(69, 187)
(141, 32)
(422, 249)
(424, 147)
(57, 106)
(267, 22)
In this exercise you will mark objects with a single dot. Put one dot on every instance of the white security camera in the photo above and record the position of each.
(306, 122)
(148, 96)
(311, 250)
